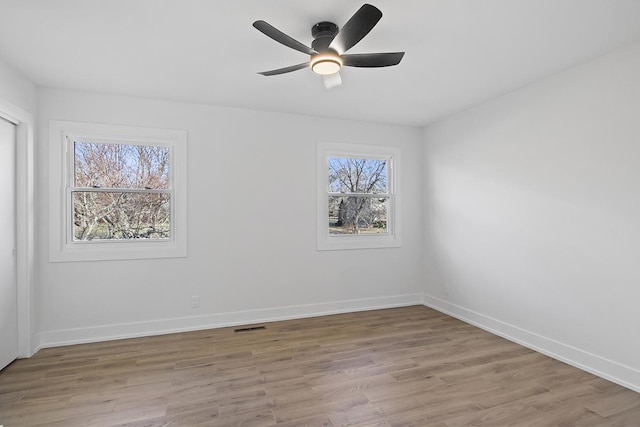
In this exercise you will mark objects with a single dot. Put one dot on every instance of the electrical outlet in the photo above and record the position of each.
(195, 301)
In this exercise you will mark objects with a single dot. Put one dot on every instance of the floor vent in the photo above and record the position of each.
(251, 328)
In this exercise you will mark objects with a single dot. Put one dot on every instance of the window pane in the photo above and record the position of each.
(358, 215)
(351, 175)
(120, 166)
(118, 215)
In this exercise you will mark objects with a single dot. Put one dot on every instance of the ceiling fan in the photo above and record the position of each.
(330, 44)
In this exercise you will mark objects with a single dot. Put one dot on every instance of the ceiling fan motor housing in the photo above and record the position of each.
(323, 33)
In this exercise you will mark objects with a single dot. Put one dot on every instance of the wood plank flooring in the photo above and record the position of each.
(408, 366)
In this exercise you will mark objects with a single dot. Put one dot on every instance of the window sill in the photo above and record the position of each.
(357, 241)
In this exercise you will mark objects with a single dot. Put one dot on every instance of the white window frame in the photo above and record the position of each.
(62, 247)
(390, 239)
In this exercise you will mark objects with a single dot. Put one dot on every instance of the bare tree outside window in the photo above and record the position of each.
(358, 195)
(121, 191)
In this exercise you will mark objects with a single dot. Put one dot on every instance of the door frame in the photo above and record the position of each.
(25, 266)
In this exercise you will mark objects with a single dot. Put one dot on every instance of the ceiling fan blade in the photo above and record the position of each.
(332, 80)
(285, 69)
(271, 31)
(372, 59)
(356, 28)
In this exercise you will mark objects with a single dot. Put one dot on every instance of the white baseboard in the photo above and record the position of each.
(620, 374)
(62, 337)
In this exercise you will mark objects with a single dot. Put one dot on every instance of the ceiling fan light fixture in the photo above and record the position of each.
(326, 63)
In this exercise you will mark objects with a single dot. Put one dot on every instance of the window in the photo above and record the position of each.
(119, 191)
(358, 196)
(116, 192)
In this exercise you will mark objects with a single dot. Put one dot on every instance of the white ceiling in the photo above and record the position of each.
(458, 52)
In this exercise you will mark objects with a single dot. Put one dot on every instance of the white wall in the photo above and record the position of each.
(252, 227)
(17, 89)
(532, 206)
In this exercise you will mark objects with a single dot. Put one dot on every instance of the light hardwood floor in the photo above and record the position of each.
(408, 366)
